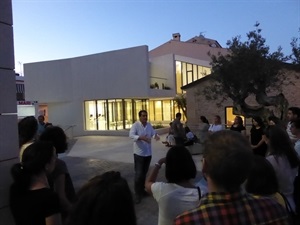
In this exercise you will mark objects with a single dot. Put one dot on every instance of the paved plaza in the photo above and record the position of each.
(92, 155)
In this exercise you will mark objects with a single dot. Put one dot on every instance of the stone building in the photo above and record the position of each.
(198, 105)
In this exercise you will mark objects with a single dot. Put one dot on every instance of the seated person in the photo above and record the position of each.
(216, 126)
(170, 140)
(227, 161)
(190, 137)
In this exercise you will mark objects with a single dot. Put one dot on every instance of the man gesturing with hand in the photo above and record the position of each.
(142, 133)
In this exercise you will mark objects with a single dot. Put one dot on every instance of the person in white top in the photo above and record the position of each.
(216, 126)
(295, 130)
(141, 133)
(178, 194)
(293, 113)
(284, 160)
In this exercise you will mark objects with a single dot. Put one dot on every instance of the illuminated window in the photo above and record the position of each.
(187, 73)
(118, 114)
(178, 77)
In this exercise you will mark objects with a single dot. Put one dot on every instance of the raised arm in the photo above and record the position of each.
(153, 175)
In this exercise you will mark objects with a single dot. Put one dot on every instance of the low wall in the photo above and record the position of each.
(159, 131)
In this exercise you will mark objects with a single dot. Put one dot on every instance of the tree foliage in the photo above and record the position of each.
(180, 102)
(248, 69)
(295, 56)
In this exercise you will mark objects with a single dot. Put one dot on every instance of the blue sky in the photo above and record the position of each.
(56, 29)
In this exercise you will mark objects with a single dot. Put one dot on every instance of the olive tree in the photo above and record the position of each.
(180, 102)
(249, 69)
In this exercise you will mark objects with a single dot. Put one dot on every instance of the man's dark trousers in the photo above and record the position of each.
(141, 166)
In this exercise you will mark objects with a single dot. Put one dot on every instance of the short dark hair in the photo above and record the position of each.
(187, 129)
(180, 165)
(259, 121)
(142, 111)
(295, 111)
(27, 128)
(57, 136)
(296, 123)
(203, 119)
(178, 115)
(105, 199)
(262, 179)
(228, 159)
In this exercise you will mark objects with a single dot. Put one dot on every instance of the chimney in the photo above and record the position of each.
(176, 37)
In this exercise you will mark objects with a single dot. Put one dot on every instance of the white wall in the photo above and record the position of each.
(163, 67)
(65, 84)
(48, 81)
(116, 74)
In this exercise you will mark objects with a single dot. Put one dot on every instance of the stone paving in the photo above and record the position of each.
(93, 155)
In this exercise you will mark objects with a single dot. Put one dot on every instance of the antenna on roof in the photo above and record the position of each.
(202, 34)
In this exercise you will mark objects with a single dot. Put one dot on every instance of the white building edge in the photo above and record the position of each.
(102, 93)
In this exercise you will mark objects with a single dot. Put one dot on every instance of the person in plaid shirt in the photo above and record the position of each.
(227, 161)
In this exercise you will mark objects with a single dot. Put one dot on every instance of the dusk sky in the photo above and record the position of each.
(56, 29)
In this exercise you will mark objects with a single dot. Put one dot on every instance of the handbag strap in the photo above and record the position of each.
(199, 192)
(287, 204)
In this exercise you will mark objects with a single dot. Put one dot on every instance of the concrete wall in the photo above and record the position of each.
(162, 70)
(8, 122)
(116, 74)
(65, 84)
(48, 81)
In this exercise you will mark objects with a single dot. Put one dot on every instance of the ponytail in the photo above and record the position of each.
(21, 177)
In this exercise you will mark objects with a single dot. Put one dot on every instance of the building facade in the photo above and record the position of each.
(8, 109)
(102, 93)
(198, 105)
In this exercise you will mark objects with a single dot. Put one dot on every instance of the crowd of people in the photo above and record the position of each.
(251, 178)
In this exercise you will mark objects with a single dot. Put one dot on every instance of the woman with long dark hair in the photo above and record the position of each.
(60, 178)
(31, 199)
(284, 160)
(238, 125)
(203, 129)
(257, 141)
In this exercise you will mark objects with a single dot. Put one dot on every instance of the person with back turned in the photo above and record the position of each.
(227, 161)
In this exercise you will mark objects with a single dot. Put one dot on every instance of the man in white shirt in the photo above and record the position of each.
(295, 130)
(141, 132)
(216, 126)
(293, 113)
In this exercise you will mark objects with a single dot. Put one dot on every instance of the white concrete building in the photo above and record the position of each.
(102, 93)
